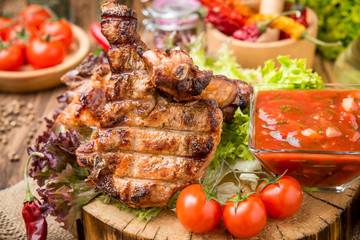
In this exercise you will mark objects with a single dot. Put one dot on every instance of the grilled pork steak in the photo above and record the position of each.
(156, 116)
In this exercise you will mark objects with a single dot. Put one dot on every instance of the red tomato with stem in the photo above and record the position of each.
(60, 30)
(44, 53)
(248, 219)
(19, 37)
(11, 57)
(282, 196)
(23, 30)
(33, 16)
(194, 213)
(5, 28)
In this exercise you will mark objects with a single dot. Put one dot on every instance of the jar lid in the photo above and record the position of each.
(174, 12)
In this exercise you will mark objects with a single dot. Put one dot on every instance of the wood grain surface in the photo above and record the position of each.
(330, 216)
(322, 216)
(43, 103)
(28, 124)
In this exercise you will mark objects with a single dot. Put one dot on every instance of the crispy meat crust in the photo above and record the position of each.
(175, 73)
(155, 132)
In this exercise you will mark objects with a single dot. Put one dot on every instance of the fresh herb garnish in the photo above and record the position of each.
(282, 122)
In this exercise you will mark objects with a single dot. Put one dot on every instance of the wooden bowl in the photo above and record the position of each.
(254, 54)
(29, 79)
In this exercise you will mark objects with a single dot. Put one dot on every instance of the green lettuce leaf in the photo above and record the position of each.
(144, 213)
(222, 62)
(291, 75)
(62, 188)
(233, 146)
(234, 139)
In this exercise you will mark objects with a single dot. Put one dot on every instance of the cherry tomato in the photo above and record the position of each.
(248, 219)
(4, 28)
(41, 53)
(18, 36)
(11, 58)
(19, 43)
(194, 213)
(22, 28)
(281, 199)
(33, 16)
(60, 29)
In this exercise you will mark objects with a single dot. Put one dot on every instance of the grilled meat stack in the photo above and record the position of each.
(153, 119)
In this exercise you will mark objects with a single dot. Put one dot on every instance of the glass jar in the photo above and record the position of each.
(171, 22)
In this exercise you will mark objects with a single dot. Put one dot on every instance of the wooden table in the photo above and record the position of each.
(29, 123)
(21, 120)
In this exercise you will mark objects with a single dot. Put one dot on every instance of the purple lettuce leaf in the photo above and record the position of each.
(61, 180)
(65, 194)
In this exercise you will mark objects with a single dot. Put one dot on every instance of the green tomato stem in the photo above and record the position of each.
(272, 180)
(233, 171)
(218, 178)
(305, 35)
(29, 197)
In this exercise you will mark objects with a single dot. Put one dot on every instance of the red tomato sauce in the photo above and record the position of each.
(315, 120)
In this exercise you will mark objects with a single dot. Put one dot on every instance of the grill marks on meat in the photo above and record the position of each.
(155, 133)
(201, 115)
(146, 166)
(147, 140)
(146, 146)
(86, 95)
(174, 73)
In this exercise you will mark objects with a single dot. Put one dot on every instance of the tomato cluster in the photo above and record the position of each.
(34, 36)
(244, 215)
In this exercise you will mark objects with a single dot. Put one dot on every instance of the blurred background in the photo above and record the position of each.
(35, 88)
(79, 12)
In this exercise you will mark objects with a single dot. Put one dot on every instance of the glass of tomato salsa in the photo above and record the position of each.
(314, 134)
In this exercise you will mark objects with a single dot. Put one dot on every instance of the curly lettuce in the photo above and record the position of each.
(233, 146)
(61, 180)
(234, 139)
(292, 74)
(222, 62)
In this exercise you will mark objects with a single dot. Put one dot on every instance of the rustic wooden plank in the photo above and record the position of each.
(164, 227)
(321, 216)
(44, 104)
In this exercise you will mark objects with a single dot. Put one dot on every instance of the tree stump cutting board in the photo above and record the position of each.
(322, 216)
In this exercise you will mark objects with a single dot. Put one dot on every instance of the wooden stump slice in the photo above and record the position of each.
(322, 216)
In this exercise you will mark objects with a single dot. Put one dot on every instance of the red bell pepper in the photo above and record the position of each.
(253, 31)
(230, 13)
(221, 22)
(95, 30)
